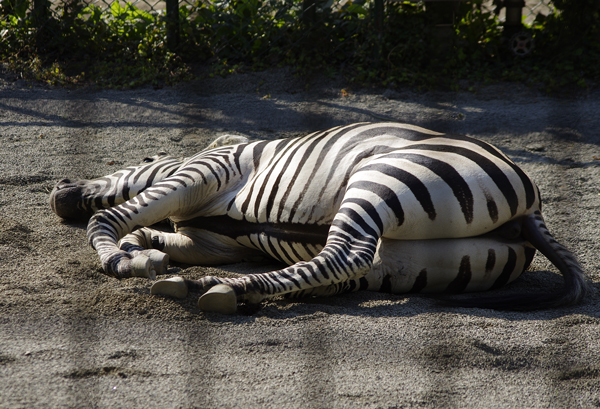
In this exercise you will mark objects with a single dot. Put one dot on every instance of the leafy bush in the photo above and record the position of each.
(123, 46)
(116, 47)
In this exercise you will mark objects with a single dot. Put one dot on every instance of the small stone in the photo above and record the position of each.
(536, 147)
(390, 94)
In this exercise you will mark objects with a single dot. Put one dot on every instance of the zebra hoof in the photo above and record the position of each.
(141, 266)
(221, 298)
(173, 287)
(160, 261)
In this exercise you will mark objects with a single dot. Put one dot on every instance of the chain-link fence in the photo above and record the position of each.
(133, 39)
(530, 10)
(181, 13)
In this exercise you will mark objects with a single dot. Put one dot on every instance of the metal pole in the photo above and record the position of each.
(379, 15)
(309, 12)
(172, 24)
(41, 15)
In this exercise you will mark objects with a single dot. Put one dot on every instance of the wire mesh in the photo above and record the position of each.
(233, 29)
(530, 11)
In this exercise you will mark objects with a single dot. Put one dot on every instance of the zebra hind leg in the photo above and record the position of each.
(344, 287)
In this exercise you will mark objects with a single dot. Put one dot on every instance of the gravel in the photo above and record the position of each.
(72, 337)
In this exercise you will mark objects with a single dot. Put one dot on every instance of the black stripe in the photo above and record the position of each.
(492, 207)
(509, 268)
(333, 268)
(415, 185)
(177, 179)
(222, 166)
(385, 193)
(343, 151)
(299, 164)
(213, 171)
(121, 214)
(460, 188)
(163, 184)
(193, 169)
(156, 168)
(236, 156)
(459, 284)
(276, 253)
(364, 283)
(321, 269)
(289, 232)
(420, 282)
(529, 254)
(491, 260)
(351, 285)
(290, 150)
(489, 167)
(530, 190)
(284, 255)
(312, 274)
(369, 209)
(386, 284)
(358, 220)
(258, 243)
(257, 151)
(290, 277)
(398, 132)
(295, 251)
(126, 183)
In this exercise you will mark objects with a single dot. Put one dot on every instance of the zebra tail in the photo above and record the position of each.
(573, 292)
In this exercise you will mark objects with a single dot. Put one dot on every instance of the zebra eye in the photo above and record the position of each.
(148, 160)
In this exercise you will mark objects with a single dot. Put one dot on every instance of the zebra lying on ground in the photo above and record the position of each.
(368, 206)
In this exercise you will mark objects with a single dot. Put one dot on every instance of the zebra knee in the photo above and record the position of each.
(145, 239)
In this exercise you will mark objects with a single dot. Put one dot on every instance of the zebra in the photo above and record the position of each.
(366, 206)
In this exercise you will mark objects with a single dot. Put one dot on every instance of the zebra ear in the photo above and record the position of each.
(152, 159)
(226, 140)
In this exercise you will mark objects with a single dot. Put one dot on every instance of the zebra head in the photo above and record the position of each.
(80, 199)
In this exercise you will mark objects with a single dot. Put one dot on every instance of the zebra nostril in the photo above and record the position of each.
(62, 182)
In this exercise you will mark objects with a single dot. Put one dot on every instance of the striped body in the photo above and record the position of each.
(322, 204)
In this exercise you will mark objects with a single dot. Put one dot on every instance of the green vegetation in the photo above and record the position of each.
(123, 46)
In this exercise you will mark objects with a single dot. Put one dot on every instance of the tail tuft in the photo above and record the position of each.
(576, 285)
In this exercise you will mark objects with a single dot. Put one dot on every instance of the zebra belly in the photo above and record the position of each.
(447, 265)
(286, 242)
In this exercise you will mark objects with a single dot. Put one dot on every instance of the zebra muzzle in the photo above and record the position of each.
(66, 200)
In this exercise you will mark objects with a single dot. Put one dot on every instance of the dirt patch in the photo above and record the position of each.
(72, 337)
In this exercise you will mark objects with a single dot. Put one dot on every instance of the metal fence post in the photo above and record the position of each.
(172, 24)
(309, 12)
(40, 12)
(379, 15)
(40, 17)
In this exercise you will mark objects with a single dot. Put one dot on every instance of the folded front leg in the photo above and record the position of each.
(108, 226)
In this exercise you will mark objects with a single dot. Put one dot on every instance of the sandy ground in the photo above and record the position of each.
(72, 337)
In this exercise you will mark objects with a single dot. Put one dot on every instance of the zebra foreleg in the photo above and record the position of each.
(108, 226)
(190, 246)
